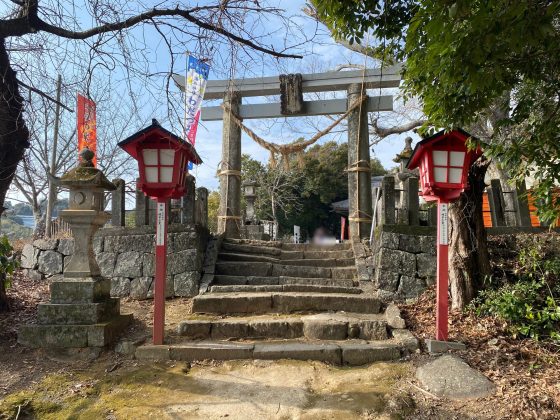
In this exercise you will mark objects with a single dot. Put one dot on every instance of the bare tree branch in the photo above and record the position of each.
(383, 132)
(31, 23)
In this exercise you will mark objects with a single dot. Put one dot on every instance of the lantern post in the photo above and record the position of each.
(443, 161)
(161, 270)
(163, 160)
(442, 301)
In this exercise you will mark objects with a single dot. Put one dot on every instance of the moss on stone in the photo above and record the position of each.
(166, 391)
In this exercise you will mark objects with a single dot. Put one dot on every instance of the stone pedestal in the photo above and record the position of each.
(254, 232)
(81, 312)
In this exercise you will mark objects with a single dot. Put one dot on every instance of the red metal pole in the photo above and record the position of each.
(161, 269)
(442, 273)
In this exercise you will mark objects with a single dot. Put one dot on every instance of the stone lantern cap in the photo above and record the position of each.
(406, 152)
(85, 175)
(250, 183)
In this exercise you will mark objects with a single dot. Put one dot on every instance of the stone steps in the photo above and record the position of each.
(311, 262)
(268, 269)
(289, 246)
(286, 302)
(272, 300)
(325, 326)
(308, 288)
(353, 353)
(226, 280)
(286, 254)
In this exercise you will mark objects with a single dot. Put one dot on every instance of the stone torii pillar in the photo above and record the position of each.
(359, 171)
(229, 213)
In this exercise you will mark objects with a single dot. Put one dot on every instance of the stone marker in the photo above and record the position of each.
(450, 377)
(81, 312)
(436, 346)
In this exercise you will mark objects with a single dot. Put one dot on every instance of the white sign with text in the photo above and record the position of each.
(443, 224)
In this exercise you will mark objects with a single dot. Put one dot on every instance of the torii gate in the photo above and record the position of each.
(291, 88)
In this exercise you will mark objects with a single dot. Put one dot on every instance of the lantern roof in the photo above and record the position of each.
(420, 147)
(85, 175)
(156, 132)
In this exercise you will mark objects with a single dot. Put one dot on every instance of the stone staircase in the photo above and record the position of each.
(272, 300)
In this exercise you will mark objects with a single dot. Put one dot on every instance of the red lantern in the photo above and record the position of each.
(163, 160)
(444, 161)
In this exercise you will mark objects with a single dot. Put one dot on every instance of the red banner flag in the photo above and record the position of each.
(87, 134)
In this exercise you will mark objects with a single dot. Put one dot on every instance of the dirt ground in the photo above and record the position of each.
(39, 385)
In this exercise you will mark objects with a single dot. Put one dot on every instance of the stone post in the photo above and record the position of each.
(496, 201)
(359, 172)
(118, 199)
(201, 207)
(522, 213)
(411, 201)
(142, 207)
(187, 201)
(388, 200)
(175, 210)
(432, 215)
(229, 213)
(81, 312)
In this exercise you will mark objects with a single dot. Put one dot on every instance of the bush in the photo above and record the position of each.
(531, 305)
(8, 264)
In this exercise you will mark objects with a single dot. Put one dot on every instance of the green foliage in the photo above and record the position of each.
(465, 60)
(14, 230)
(313, 183)
(352, 20)
(8, 262)
(213, 206)
(531, 305)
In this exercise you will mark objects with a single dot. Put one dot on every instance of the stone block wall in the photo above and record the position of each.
(126, 256)
(404, 259)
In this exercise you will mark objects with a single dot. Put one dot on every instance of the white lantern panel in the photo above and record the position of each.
(150, 157)
(440, 174)
(440, 157)
(166, 174)
(456, 159)
(455, 175)
(152, 174)
(167, 157)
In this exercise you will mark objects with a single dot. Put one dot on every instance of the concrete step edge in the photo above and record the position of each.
(280, 288)
(274, 302)
(337, 326)
(353, 354)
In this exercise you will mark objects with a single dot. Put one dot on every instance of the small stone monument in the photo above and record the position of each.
(81, 312)
(252, 229)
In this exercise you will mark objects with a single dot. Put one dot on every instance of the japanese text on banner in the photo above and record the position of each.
(86, 126)
(197, 76)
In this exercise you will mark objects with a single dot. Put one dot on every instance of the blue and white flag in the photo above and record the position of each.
(195, 85)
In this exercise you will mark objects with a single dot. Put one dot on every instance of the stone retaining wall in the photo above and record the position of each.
(126, 256)
(404, 260)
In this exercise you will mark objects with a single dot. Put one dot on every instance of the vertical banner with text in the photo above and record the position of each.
(86, 128)
(195, 84)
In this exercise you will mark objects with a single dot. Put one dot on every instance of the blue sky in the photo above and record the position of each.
(150, 52)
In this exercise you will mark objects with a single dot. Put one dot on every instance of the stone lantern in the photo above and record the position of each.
(250, 193)
(81, 312)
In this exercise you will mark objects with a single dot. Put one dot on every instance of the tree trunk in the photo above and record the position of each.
(468, 249)
(40, 222)
(14, 136)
